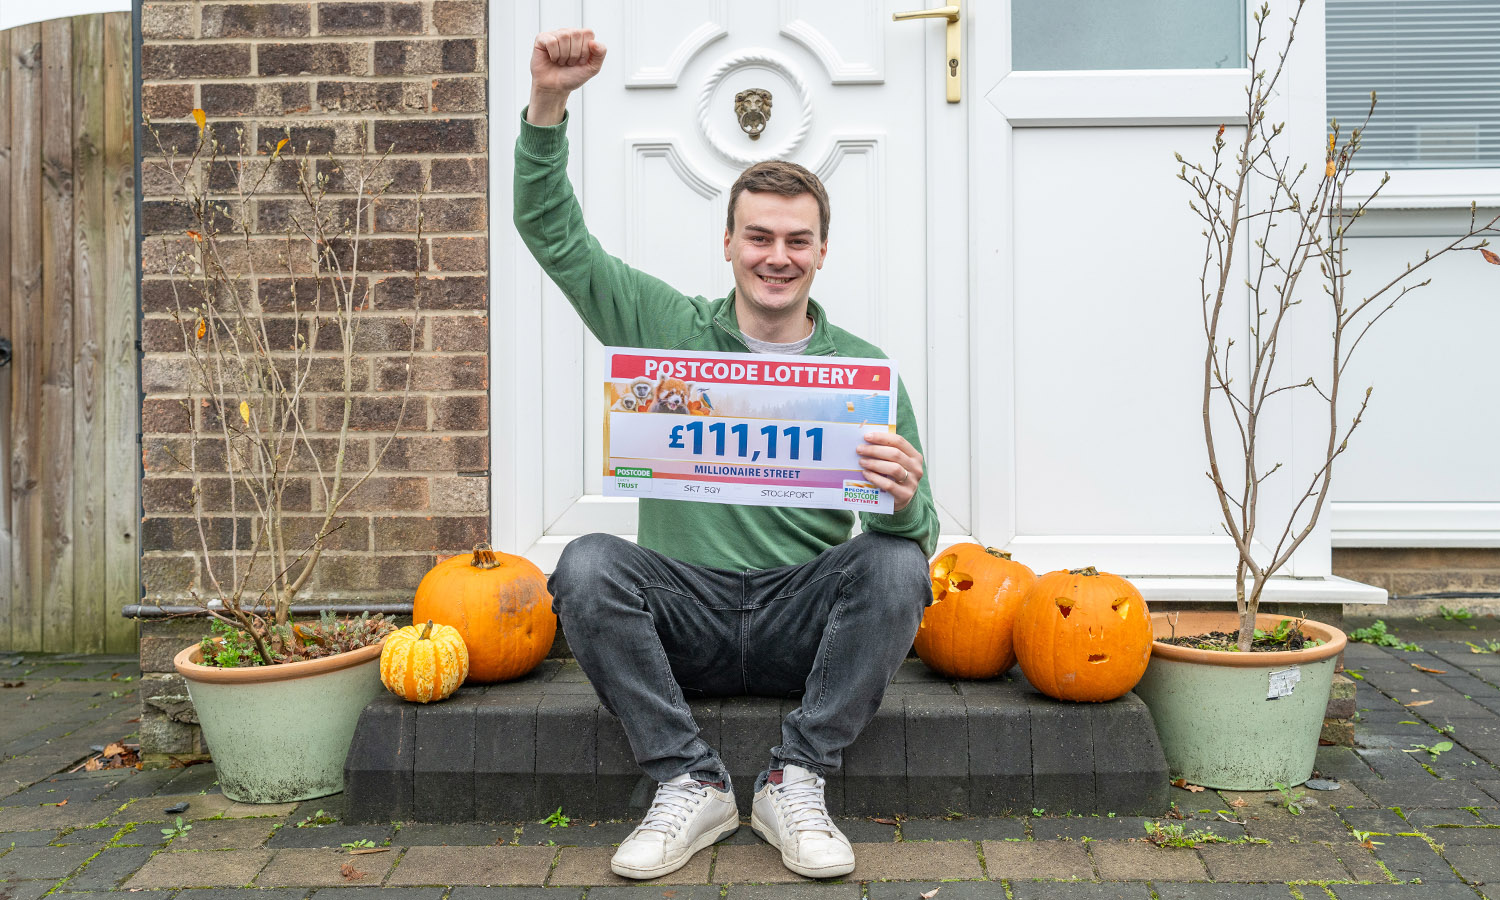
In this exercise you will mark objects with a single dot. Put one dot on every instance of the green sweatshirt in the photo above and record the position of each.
(624, 307)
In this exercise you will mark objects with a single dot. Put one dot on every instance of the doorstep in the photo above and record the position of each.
(518, 751)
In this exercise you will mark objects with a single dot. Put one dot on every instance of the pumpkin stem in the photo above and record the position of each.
(1002, 554)
(426, 631)
(1088, 570)
(484, 557)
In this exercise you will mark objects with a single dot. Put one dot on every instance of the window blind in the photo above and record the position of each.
(1435, 66)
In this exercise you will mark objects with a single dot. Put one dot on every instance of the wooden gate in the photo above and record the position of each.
(69, 402)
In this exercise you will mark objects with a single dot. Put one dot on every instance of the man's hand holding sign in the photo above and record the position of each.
(789, 427)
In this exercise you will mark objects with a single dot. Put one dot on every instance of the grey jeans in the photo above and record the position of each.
(649, 631)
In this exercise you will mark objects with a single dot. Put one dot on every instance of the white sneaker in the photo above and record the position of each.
(685, 817)
(793, 818)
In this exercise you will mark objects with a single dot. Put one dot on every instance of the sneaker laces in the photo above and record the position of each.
(802, 806)
(675, 802)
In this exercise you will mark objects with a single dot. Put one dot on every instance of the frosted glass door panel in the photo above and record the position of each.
(1127, 34)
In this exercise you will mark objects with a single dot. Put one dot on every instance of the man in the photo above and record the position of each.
(721, 599)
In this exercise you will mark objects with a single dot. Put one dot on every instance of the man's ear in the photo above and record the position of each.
(726, 245)
(822, 254)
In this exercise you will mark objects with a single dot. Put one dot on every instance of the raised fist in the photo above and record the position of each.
(563, 60)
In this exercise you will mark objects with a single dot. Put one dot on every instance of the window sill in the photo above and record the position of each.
(1428, 188)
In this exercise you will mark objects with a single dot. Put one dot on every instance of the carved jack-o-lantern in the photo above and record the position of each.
(1083, 635)
(976, 593)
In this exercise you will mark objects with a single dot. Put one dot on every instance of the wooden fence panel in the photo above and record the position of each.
(69, 532)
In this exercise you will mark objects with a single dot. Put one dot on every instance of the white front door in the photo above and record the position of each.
(655, 145)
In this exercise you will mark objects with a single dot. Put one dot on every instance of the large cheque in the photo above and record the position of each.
(756, 428)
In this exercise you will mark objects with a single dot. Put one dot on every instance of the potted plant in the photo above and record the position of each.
(1211, 674)
(277, 699)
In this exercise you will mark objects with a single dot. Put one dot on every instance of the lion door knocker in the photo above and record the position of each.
(752, 107)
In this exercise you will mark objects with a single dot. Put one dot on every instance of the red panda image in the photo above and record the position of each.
(672, 396)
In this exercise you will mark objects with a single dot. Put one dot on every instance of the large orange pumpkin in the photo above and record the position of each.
(1083, 635)
(499, 603)
(976, 593)
(424, 663)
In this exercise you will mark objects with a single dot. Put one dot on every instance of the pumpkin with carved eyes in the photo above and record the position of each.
(1083, 635)
(976, 593)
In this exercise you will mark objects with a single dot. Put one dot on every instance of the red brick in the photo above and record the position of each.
(372, 414)
(370, 18)
(321, 58)
(388, 495)
(164, 61)
(279, 294)
(379, 254)
(437, 454)
(372, 96)
(316, 137)
(437, 292)
(461, 413)
(458, 95)
(295, 497)
(454, 254)
(171, 456)
(165, 21)
(231, 20)
(166, 495)
(360, 572)
(460, 176)
(402, 175)
(279, 98)
(461, 333)
(167, 575)
(459, 16)
(159, 416)
(442, 534)
(278, 216)
(434, 373)
(457, 494)
(430, 135)
(347, 532)
(167, 101)
(181, 533)
(183, 138)
(439, 214)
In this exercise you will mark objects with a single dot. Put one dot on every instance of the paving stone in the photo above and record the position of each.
(200, 806)
(937, 755)
(999, 748)
(1099, 829)
(602, 834)
(27, 863)
(105, 871)
(1361, 863)
(968, 829)
(471, 892)
(226, 834)
(194, 780)
(858, 831)
(874, 765)
(758, 863)
(468, 835)
(1382, 821)
(1062, 746)
(323, 868)
(1121, 861)
(220, 868)
(472, 865)
(915, 861)
(27, 838)
(1422, 819)
(1315, 824)
(1030, 890)
(63, 893)
(443, 773)
(1430, 793)
(566, 729)
(590, 866)
(1474, 863)
(26, 890)
(1058, 860)
(774, 892)
(378, 770)
(1448, 891)
(1262, 862)
(289, 837)
(1477, 835)
(647, 892)
(1388, 763)
(380, 893)
(906, 890)
(140, 783)
(1130, 768)
(239, 894)
(1226, 892)
(1341, 763)
(74, 815)
(1410, 858)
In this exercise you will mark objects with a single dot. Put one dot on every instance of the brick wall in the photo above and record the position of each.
(1410, 573)
(343, 76)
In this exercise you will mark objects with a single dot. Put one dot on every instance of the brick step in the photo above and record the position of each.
(518, 751)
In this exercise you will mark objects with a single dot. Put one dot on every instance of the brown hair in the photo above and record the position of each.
(777, 176)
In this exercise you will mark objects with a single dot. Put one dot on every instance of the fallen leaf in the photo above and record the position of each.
(928, 895)
(201, 118)
(1490, 257)
(350, 873)
(1238, 803)
(1183, 783)
(11, 684)
(1430, 671)
(884, 821)
(114, 749)
(63, 802)
(369, 850)
(1418, 703)
(195, 236)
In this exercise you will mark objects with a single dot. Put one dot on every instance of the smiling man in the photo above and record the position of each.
(726, 599)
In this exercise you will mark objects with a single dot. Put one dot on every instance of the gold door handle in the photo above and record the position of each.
(954, 58)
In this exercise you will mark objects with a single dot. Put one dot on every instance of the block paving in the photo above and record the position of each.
(1410, 819)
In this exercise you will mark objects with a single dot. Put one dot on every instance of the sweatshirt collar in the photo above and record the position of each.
(821, 343)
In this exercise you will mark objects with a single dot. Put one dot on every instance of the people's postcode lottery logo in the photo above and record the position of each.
(859, 492)
(624, 472)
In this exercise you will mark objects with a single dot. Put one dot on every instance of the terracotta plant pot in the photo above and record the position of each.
(280, 733)
(1238, 721)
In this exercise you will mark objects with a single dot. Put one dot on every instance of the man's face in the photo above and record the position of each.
(775, 251)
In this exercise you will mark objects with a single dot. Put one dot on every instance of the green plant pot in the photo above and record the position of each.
(280, 733)
(1214, 712)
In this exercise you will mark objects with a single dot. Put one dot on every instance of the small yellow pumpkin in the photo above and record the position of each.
(425, 663)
